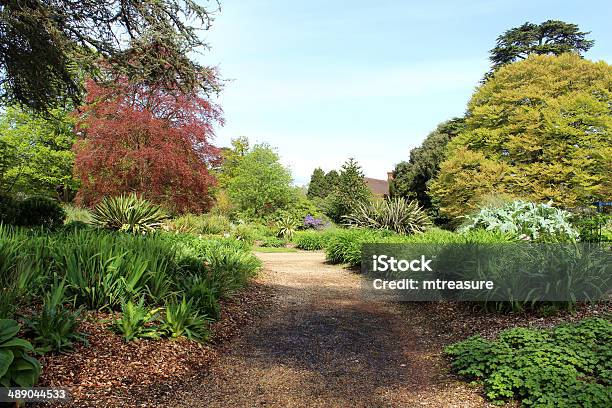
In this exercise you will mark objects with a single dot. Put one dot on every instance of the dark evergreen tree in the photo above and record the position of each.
(318, 184)
(552, 37)
(332, 178)
(410, 177)
(350, 191)
(46, 47)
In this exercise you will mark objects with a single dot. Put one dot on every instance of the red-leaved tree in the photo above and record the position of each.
(136, 139)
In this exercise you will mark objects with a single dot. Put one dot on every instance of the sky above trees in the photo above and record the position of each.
(323, 80)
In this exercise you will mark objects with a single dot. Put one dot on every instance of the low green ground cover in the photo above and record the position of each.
(568, 366)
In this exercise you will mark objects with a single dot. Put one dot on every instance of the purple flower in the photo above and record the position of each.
(311, 222)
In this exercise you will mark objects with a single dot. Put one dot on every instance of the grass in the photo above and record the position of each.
(274, 249)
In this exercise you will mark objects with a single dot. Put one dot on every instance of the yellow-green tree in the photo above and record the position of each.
(538, 129)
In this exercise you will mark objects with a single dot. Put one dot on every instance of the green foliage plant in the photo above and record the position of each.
(567, 366)
(128, 213)
(394, 214)
(525, 220)
(137, 321)
(40, 211)
(55, 327)
(17, 367)
(183, 320)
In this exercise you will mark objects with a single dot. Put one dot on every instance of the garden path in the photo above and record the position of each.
(321, 344)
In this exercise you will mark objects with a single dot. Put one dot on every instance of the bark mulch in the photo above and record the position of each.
(112, 373)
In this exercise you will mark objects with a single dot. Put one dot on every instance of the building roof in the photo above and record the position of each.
(377, 187)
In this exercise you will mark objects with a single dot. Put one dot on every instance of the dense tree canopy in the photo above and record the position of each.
(47, 46)
(552, 37)
(140, 139)
(318, 185)
(35, 154)
(410, 177)
(260, 185)
(230, 159)
(350, 191)
(539, 129)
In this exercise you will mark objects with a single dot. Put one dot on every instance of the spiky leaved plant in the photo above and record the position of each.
(394, 214)
(128, 213)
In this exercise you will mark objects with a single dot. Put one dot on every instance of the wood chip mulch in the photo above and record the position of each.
(110, 372)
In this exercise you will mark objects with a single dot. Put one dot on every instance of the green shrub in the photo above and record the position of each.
(77, 214)
(568, 366)
(39, 212)
(524, 220)
(128, 213)
(55, 327)
(245, 233)
(203, 293)
(103, 268)
(183, 319)
(344, 246)
(312, 240)
(20, 271)
(8, 207)
(201, 224)
(17, 368)
(394, 214)
(215, 224)
(592, 227)
(272, 242)
(137, 321)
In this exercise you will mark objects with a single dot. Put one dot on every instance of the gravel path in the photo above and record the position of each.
(321, 344)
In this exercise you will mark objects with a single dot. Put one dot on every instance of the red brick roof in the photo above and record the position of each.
(377, 187)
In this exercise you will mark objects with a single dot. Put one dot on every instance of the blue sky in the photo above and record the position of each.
(326, 80)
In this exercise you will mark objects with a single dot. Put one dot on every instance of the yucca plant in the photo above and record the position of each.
(287, 226)
(394, 214)
(128, 213)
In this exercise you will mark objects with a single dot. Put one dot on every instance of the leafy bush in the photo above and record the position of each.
(272, 242)
(39, 211)
(182, 319)
(525, 220)
(344, 246)
(312, 240)
(203, 293)
(137, 322)
(201, 224)
(568, 366)
(591, 227)
(394, 214)
(128, 213)
(17, 368)
(8, 206)
(55, 327)
(19, 268)
(77, 214)
(244, 232)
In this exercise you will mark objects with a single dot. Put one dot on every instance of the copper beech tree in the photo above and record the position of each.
(133, 138)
